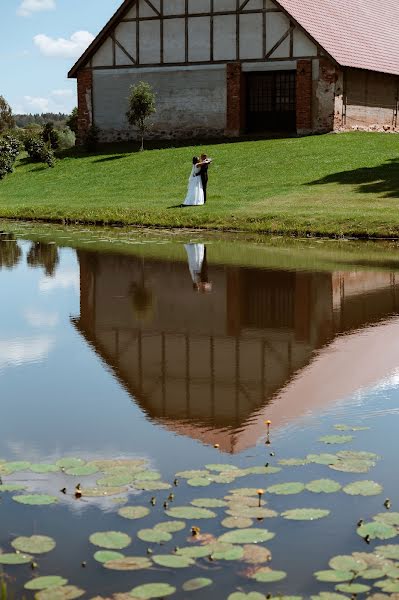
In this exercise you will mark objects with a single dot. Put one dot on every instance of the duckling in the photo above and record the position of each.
(272, 454)
(63, 491)
(33, 565)
(176, 482)
(149, 551)
(171, 497)
(360, 523)
(153, 501)
(165, 505)
(367, 539)
(195, 530)
(387, 504)
(83, 564)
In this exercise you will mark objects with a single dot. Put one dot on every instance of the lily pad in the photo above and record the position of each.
(103, 556)
(347, 563)
(152, 590)
(195, 551)
(173, 561)
(377, 530)
(336, 439)
(16, 466)
(147, 476)
(325, 486)
(12, 487)
(69, 463)
(133, 512)
(208, 503)
(45, 582)
(44, 468)
(391, 518)
(190, 512)
(389, 585)
(245, 492)
(293, 462)
(352, 588)
(222, 478)
(221, 468)
(334, 576)
(66, 592)
(293, 487)
(170, 526)
(196, 584)
(329, 596)
(102, 492)
(341, 427)
(237, 522)
(36, 544)
(152, 486)
(128, 563)
(82, 470)
(262, 470)
(251, 512)
(192, 474)
(115, 480)
(226, 551)
(243, 596)
(305, 514)
(363, 488)
(266, 575)
(35, 499)
(352, 465)
(15, 558)
(199, 482)
(323, 459)
(113, 540)
(389, 551)
(155, 536)
(256, 555)
(247, 536)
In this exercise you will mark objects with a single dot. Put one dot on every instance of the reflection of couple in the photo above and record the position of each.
(198, 182)
(198, 265)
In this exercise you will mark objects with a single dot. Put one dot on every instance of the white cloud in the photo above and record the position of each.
(72, 47)
(36, 104)
(27, 7)
(62, 93)
(37, 318)
(69, 278)
(19, 351)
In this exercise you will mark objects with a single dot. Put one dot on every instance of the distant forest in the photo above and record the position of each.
(58, 119)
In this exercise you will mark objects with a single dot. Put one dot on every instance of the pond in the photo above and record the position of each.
(228, 408)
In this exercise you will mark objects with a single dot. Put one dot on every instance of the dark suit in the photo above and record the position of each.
(204, 178)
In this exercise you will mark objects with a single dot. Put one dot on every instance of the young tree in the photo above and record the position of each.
(6, 118)
(141, 107)
(72, 121)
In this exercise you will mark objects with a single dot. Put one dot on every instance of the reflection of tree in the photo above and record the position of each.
(142, 297)
(10, 252)
(43, 255)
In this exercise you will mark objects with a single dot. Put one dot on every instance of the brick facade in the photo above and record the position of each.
(85, 103)
(234, 99)
(304, 96)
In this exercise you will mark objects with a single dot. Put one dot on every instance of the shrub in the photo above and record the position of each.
(50, 136)
(72, 121)
(38, 151)
(66, 138)
(141, 107)
(9, 150)
(6, 118)
(92, 138)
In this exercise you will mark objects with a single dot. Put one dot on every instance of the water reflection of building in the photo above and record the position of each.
(206, 365)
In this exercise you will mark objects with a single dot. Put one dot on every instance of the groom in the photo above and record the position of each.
(204, 173)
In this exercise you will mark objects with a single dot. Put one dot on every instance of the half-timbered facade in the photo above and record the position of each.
(227, 67)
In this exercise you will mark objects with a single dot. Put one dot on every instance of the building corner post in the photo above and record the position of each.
(85, 103)
(234, 107)
(304, 88)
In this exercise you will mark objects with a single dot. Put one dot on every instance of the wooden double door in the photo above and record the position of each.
(271, 101)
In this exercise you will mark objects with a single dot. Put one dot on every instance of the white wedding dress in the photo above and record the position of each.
(195, 192)
(195, 256)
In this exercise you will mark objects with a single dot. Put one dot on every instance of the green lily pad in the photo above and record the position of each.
(323, 459)
(334, 576)
(389, 585)
(353, 465)
(237, 522)
(363, 488)
(336, 439)
(190, 512)
(208, 503)
(16, 466)
(293, 462)
(262, 470)
(251, 512)
(255, 554)
(45, 582)
(357, 455)
(128, 563)
(293, 487)
(152, 590)
(82, 470)
(222, 478)
(35, 499)
(221, 468)
(225, 551)
(305, 514)
(199, 482)
(103, 556)
(133, 512)
(373, 574)
(249, 596)
(115, 480)
(70, 463)
(390, 551)
(350, 428)
(36, 544)
(154, 535)
(325, 486)
(66, 592)
(12, 487)
(113, 540)
(195, 551)
(196, 584)
(391, 518)
(44, 468)
(329, 596)
(377, 530)
(152, 486)
(247, 536)
(15, 558)
(170, 526)
(147, 476)
(352, 588)
(102, 492)
(194, 473)
(173, 561)
(245, 492)
(347, 563)
(266, 575)
(107, 465)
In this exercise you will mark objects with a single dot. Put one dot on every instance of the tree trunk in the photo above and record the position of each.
(142, 143)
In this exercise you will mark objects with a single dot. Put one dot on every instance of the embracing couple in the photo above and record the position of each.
(198, 182)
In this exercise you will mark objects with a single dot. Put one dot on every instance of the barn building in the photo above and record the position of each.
(230, 67)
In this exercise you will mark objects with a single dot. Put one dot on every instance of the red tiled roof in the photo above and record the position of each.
(357, 33)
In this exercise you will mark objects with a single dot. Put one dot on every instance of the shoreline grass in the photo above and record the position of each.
(343, 185)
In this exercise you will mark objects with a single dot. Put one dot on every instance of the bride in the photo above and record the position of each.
(195, 192)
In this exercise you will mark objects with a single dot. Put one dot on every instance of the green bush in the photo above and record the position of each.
(72, 121)
(66, 138)
(92, 138)
(38, 151)
(9, 149)
(50, 136)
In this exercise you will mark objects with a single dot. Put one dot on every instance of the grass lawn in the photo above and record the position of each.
(345, 184)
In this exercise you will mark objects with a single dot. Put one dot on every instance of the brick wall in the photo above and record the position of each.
(85, 107)
(304, 96)
(234, 99)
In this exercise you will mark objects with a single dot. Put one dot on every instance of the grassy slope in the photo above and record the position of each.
(266, 185)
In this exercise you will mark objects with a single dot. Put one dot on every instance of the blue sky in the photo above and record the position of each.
(39, 41)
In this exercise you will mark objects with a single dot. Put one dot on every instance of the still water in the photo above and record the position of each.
(133, 345)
